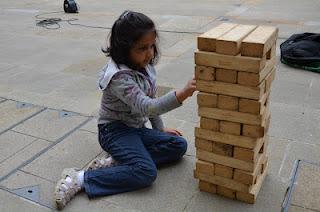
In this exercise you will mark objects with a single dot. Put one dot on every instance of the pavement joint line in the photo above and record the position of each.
(31, 136)
(3, 100)
(311, 209)
(44, 150)
(23, 120)
(29, 173)
(88, 131)
(9, 191)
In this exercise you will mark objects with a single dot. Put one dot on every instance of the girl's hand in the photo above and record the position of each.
(172, 131)
(187, 91)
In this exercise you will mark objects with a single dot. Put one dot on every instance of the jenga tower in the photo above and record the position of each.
(235, 65)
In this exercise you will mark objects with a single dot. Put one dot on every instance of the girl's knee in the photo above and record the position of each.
(145, 174)
(182, 146)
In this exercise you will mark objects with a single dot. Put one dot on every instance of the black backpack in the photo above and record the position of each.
(302, 51)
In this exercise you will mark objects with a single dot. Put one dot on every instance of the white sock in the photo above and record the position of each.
(80, 178)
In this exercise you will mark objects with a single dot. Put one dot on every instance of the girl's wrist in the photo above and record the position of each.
(180, 94)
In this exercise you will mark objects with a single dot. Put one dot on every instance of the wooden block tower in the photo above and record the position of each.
(235, 65)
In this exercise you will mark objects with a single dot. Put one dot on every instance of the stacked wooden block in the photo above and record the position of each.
(235, 65)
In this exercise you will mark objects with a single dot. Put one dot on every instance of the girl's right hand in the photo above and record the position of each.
(187, 91)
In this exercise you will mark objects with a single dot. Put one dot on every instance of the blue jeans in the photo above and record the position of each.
(138, 151)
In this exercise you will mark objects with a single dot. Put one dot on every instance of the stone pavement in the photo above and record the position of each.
(49, 101)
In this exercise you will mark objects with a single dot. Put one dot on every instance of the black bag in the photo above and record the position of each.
(70, 6)
(302, 51)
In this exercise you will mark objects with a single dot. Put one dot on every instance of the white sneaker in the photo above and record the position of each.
(65, 189)
(101, 162)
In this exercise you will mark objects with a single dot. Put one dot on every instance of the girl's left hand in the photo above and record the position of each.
(172, 131)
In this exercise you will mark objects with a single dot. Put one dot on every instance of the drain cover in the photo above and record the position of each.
(31, 193)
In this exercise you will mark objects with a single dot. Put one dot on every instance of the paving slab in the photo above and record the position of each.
(10, 202)
(74, 151)
(307, 185)
(12, 112)
(50, 124)
(13, 162)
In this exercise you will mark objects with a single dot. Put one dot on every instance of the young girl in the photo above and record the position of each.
(128, 102)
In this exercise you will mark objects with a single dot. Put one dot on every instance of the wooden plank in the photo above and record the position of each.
(269, 79)
(252, 195)
(253, 106)
(254, 79)
(256, 131)
(228, 102)
(226, 75)
(203, 144)
(223, 171)
(248, 154)
(207, 187)
(227, 161)
(272, 52)
(222, 149)
(207, 99)
(231, 89)
(224, 182)
(204, 73)
(230, 127)
(235, 140)
(205, 167)
(226, 192)
(207, 40)
(250, 177)
(239, 63)
(209, 124)
(233, 116)
(230, 42)
(259, 42)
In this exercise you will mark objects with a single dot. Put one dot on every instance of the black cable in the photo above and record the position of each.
(48, 22)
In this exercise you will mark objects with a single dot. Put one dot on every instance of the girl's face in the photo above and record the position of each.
(143, 50)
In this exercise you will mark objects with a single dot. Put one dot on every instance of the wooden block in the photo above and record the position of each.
(250, 106)
(207, 187)
(248, 154)
(207, 40)
(230, 43)
(230, 127)
(259, 42)
(239, 63)
(204, 167)
(252, 195)
(254, 79)
(204, 73)
(209, 124)
(231, 89)
(226, 192)
(222, 149)
(228, 102)
(222, 181)
(203, 144)
(235, 140)
(226, 75)
(254, 130)
(223, 171)
(207, 99)
(233, 116)
(224, 160)
(253, 106)
(250, 177)
(269, 79)
(272, 52)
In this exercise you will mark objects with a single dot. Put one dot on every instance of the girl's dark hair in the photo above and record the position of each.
(127, 30)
